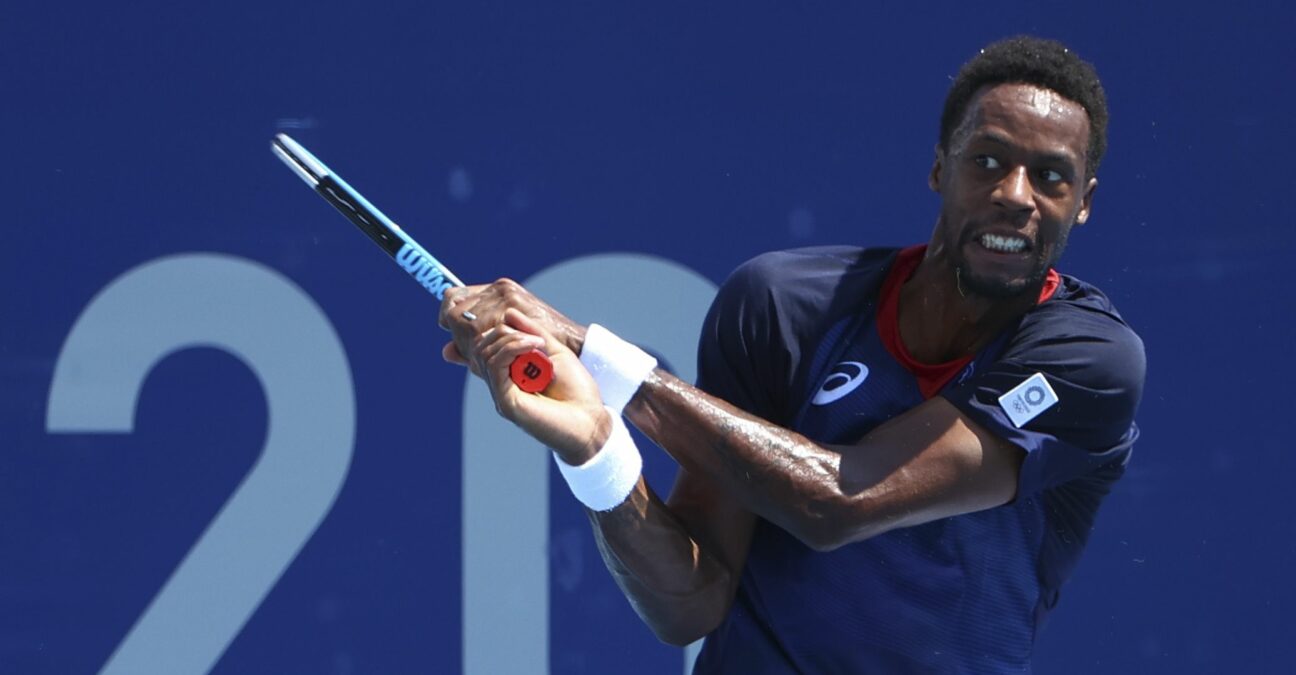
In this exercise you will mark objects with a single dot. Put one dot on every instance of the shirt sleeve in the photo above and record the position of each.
(1096, 366)
(739, 350)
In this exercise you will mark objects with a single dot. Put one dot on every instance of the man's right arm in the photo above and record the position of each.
(678, 564)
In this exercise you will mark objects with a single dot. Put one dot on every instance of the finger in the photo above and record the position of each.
(450, 352)
(503, 351)
(516, 319)
(454, 302)
(452, 297)
(503, 337)
(488, 343)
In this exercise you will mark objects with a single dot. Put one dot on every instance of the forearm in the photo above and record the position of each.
(674, 582)
(776, 473)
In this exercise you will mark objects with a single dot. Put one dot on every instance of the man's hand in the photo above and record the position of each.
(569, 415)
(488, 303)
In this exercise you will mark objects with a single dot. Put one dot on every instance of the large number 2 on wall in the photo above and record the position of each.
(284, 338)
(654, 302)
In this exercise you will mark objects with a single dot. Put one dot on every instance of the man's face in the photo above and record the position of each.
(1012, 184)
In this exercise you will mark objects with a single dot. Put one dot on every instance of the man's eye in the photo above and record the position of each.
(986, 162)
(1051, 176)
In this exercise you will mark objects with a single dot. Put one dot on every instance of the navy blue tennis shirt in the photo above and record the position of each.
(808, 339)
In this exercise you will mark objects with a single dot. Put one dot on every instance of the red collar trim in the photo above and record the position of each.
(1052, 281)
(932, 377)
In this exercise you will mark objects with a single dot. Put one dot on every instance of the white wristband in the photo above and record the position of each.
(607, 478)
(618, 367)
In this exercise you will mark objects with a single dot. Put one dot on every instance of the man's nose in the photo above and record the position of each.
(1014, 191)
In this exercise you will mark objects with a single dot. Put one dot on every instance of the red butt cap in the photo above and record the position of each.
(531, 372)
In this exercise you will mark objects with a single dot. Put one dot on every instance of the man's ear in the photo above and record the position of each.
(933, 178)
(1086, 201)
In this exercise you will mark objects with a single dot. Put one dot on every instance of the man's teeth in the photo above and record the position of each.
(995, 242)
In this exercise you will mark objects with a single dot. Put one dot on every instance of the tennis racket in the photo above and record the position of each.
(532, 371)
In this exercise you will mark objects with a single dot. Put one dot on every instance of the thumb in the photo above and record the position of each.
(514, 318)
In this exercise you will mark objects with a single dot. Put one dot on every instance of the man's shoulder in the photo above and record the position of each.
(821, 259)
(770, 314)
(805, 270)
(1081, 306)
(1080, 329)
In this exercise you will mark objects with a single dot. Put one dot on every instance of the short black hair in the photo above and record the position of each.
(1030, 60)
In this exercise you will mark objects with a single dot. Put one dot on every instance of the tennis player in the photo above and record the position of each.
(893, 458)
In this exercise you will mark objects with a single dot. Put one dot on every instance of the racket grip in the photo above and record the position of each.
(532, 371)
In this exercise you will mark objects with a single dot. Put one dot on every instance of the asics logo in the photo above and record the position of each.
(846, 376)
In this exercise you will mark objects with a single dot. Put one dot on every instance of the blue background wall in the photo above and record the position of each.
(511, 137)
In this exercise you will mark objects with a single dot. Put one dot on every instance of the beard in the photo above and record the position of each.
(999, 288)
(995, 288)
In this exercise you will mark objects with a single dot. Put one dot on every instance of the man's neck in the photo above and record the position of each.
(941, 320)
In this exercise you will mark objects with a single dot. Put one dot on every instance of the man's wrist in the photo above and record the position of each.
(617, 366)
(598, 438)
(605, 480)
(574, 337)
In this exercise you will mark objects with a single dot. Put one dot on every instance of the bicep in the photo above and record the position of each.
(1094, 368)
(931, 462)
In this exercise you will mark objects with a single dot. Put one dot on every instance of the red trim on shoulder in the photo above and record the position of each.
(932, 377)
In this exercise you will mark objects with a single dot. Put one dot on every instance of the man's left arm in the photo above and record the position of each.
(929, 463)
(966, 450)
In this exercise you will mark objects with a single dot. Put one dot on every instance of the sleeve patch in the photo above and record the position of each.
(1027, 400)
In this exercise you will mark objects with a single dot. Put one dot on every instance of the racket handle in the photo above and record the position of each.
(532, 371)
